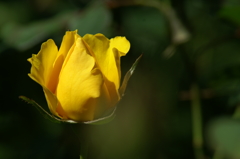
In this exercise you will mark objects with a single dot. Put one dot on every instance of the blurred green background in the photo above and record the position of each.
(184, 44)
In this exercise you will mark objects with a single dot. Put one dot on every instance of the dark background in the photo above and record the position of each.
(199, 44)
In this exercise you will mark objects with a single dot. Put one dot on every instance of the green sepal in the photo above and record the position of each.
(44, 112)
(127, 76)
(53, 118)
(103, 120)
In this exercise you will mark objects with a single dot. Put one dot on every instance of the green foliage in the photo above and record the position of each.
(144, 25)
(154, 119)
(224, 134)
(93, 20)
(230, 11)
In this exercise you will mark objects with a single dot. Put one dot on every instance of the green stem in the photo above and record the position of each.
(197, 122)
(83, 150)
(83, 135)
(80, 132)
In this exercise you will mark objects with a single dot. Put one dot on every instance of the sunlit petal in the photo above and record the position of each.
(42, 63)
(79, 83)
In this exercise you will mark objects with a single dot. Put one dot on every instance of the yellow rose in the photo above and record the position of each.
(81, 80)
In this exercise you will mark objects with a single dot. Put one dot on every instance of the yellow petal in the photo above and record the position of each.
(68, 42)
(103, 103)
(79, 84)
(42, 63)
(50, 98)
(107, 54)
(51, 101)
(121, 44)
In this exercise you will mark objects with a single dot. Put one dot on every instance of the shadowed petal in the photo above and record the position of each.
(50, 97)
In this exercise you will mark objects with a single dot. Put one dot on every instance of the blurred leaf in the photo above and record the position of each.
(94, 19)
(219, 68)
(179, 33)
(234, 99)
(236, 114)
(219, 59)
(223, 134)
(13, 12)
(145, 27)
(207, 29)
(229, 88)
(24, 37)
(231, 13)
